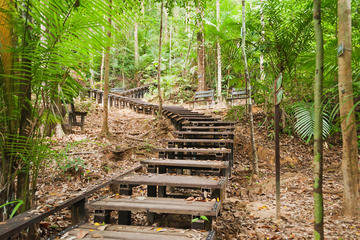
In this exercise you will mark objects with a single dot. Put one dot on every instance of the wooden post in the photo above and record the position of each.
(162, 189)
(78, 212)
(277, 100)
(102, 216)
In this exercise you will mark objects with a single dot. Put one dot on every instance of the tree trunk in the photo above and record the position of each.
(350, 160)
(219, 77)
(159, 60)
(277, 153)
(105, 126)
(6, 64)
(255, 167)
(262, 72)
(102, 70)
(318, 128)
(165, 25)
(92, 71)
(136, 45)
(170, 46)
(201, 49)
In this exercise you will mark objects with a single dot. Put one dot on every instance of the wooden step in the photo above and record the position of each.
(194, 150)
(211, 135)
(195, 118)
(211, 167)
(158, 205)
(209, 123)
(124, 232)
(200, 143)
(217, 141)
(187, 163)
(180, 140)
(208, 128)
(221, 154)
(173, 181)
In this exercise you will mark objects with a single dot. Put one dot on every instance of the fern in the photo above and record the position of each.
(304, 125)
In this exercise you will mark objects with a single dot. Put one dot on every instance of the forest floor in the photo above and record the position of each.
(250, 206)
(248, 212)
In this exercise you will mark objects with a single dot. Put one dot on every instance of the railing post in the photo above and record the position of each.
(78, 212)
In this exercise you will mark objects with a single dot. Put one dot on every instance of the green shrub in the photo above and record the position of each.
(235, 113)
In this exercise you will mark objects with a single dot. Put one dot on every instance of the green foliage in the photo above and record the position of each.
(69, 164)
(19, 203)
(235, 113)
(72, 164)
(304, 125)
(200, 218)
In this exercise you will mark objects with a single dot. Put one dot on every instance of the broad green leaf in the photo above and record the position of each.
(279, 82)
(279, 96)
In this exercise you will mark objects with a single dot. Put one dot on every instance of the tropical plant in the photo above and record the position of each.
(56, 42)
(304, 124)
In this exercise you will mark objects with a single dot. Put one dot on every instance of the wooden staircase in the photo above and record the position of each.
(188, 178)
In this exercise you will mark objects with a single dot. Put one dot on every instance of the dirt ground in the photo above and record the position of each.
(248, 212)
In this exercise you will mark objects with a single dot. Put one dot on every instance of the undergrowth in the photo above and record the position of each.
(235, 113)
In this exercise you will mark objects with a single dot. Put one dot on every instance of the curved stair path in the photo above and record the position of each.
(188, 178)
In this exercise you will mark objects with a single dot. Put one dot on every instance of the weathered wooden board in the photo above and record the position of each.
(195, 150)
(203, 133)
(117, 232)
(229, 128)
(158, 205)
(174, 180)
(187, 163)
(209, 123)
(180, 140)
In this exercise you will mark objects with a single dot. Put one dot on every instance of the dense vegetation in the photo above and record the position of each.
(53, 50)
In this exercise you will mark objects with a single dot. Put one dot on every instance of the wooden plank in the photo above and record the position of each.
(187, 163)
(134, 233)
(158, 205)
(195, 150)
(174, 181)
(203, 133)
(209, 127)
(215, 123)
(179, 140)
(195, 118)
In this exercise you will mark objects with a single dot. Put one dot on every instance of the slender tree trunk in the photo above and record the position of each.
(201, 50)
(170, 47)
(165, 25)
(92, 71)
(318, 128)
(247, 77)
(105, 126)
(136, 45)
(159, 60)
(218, 46)
(102, 70)
(350, 159)
(262, 72)
(277, 151)
(187, 18)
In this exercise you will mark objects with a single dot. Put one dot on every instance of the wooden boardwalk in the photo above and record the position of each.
(188, 178)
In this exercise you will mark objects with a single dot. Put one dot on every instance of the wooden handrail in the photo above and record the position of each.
(26, 219)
